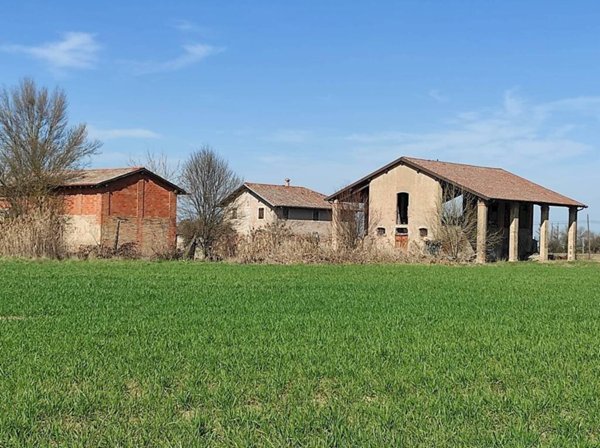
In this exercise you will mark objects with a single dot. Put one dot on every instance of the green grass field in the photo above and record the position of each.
(192, 354)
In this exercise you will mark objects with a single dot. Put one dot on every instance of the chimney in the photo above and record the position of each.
(287, 181)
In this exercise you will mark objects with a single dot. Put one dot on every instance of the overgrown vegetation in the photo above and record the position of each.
(208, 180)
(184, 354)
(39, 151)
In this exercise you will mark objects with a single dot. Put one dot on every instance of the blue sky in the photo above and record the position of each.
(324, 92)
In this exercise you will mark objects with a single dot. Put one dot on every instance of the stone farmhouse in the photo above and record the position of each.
(304, 211)
(112, 207)
(400, 205)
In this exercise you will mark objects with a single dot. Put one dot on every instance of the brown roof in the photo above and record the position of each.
(484, 182)
(103, 176)
(285, 196)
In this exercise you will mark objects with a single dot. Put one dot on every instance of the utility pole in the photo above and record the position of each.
(588, 238)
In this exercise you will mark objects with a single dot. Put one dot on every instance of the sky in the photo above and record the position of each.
(324, 92)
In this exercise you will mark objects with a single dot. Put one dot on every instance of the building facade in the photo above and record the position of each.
(403, 205)
(305, 212)
(115, 207)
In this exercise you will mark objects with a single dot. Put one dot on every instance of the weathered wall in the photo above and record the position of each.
(306, 227)
(424, 196)
(83, 210)
(246, 206)
(139, 210)
(300, 221)
(135, 209)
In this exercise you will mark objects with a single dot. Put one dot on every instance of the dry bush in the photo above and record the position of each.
(126, 251)
(275, 243)
(36, 234)
(455, 226)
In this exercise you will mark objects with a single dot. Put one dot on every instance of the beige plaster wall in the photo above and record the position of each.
(247, 205)
(82, 230)
(306, 227)
(424, 196)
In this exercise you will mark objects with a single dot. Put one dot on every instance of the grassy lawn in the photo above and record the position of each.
(178, 354)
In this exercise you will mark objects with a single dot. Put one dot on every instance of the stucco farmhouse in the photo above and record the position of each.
(400, 204)
(305, 212)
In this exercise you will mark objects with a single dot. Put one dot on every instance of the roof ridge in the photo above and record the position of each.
(455, 163)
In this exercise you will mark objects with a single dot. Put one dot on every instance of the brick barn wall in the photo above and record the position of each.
(139, 210)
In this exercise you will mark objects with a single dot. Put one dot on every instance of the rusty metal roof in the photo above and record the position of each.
(485, 182)
(102, 176)
(285, 196)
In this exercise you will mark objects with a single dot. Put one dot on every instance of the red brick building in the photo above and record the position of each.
(112, 207)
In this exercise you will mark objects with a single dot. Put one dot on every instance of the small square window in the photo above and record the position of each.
(423, 232)
(261, 213)
(380, 231)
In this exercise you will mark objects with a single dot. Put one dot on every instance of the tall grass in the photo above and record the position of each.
(37, 234)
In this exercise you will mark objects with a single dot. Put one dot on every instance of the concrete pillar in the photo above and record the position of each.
(482, 218)
(335, 224)
(513, 234)
(544, 223)
(572, 235)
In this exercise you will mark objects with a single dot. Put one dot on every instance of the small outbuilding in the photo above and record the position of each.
(401, 201)
(117, 206)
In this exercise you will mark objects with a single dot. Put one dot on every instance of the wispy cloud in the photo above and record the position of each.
(75, 50)
(437, 96)
(112, 134)
(192, 54)
(515, 132)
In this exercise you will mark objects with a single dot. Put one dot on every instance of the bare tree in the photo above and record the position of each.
(159, 163)
(351, 223)
(208, 179)
(38, 149)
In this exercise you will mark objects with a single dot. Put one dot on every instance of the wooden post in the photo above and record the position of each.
(572, 235)
(482, 218)
(545, 217)
(513, 234)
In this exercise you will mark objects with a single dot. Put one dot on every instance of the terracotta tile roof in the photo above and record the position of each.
(284, 196)
(485, 182)
(95, 177)
(103, 176)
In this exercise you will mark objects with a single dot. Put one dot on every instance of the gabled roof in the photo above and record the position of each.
(484, 182)
(284, 196)
(104, 176)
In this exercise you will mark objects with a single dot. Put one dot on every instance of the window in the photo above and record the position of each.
(380, 231)
(402, 208)
(286, 213)
(315, 215)
(423, 232)
(261, 213)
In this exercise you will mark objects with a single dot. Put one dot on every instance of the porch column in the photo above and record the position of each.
(335, 224)
(513, 234)
(544, 220)
(572, 235)
(482, 218)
